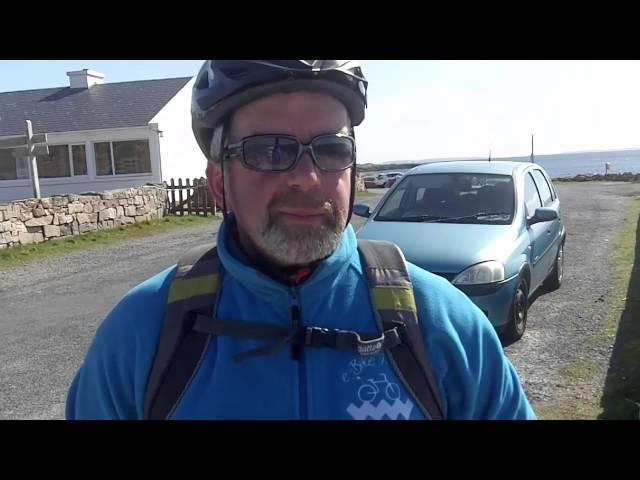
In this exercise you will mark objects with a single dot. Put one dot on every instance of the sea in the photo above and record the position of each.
(570, 164)
(575, 163)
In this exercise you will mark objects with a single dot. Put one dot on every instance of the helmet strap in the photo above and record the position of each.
(225, 127)
(353, 183)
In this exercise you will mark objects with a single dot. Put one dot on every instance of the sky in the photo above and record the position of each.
(422, 109)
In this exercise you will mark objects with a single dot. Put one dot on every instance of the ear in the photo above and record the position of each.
(214, 181)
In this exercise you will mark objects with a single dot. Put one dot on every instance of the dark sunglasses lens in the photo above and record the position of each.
(270, 154)
(334, 153)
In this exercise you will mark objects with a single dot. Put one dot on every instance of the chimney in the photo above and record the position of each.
(85, 78)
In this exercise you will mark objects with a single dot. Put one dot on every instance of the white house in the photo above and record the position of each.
(101, 136)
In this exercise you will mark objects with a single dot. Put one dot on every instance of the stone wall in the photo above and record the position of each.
(38, 220)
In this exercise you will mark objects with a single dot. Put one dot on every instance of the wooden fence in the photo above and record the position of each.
(190, 198)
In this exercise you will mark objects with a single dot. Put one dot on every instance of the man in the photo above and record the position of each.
(288, 318)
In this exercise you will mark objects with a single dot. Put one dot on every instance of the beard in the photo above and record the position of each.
(292, 245)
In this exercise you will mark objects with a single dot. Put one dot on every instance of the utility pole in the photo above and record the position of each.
(532, 161)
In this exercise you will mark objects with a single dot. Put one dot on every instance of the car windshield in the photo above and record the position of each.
(451, 198)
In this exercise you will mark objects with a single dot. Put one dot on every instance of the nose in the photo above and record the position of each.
(305, 175)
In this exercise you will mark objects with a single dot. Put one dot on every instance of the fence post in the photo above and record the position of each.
(196, 197)
(165, 186)
(189, 196)
(197, 181)
(173, 197)
(181, 204)
(205, 196)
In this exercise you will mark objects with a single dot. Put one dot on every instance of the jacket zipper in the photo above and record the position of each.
(298, 354)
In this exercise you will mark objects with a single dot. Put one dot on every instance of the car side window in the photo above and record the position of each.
(554, 194)
(543, 188)
(393, 203)
(531, 196)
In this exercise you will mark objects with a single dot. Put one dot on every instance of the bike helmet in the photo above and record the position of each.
(223, 86)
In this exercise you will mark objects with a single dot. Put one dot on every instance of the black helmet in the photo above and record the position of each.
(222, 86)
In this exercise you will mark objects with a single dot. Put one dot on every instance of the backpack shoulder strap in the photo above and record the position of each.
(194, 290)
(394, 304)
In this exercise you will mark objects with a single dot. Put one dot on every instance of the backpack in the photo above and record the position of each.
(190, 324)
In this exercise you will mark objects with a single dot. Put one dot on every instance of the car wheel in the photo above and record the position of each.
(518, 312)
(554, 280)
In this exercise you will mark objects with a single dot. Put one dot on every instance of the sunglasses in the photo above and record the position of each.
(281, 153)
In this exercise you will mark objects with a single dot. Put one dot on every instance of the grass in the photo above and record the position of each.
(570, 409)
(365, 193)
(621, 264)
(578, 371)
(20, 255)
(574, 405)
(621, 396)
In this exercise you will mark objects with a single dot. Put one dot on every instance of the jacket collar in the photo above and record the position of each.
(237, 264)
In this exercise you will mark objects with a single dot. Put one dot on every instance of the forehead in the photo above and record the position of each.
(303, 114)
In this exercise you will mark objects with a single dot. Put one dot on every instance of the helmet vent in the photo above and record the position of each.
(235, 73)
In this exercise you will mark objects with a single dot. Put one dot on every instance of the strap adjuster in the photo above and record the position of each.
(324, 337)
(371, 347)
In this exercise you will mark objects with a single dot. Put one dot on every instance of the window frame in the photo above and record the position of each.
(113, 160)
(551, 199)
(25, 162)
(526, 209)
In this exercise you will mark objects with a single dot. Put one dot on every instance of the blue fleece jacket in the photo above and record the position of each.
(475, 379)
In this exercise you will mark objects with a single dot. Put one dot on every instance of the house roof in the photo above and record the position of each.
(109, 105)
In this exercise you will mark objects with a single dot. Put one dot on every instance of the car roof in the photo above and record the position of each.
(471, 166)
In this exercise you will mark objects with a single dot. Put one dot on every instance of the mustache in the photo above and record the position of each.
(297, 199)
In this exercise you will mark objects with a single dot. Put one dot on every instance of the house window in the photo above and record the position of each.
(123, 158)
(103, 158)
(63, 161)
(12, 168)
(56, 164)
(79, 159)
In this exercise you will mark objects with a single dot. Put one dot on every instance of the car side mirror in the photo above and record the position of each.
(543, 214)
(362, 210)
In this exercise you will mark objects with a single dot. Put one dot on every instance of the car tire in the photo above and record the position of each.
(554, 280)
(518, 312)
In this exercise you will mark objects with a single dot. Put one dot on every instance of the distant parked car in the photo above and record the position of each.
(370, 181)
(381, 180)
(392, 177)
(491, 228)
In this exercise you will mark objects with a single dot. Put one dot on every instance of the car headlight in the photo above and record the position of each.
(485, 272)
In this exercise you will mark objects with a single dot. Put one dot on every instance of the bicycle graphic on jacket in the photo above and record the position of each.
(370, 388)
